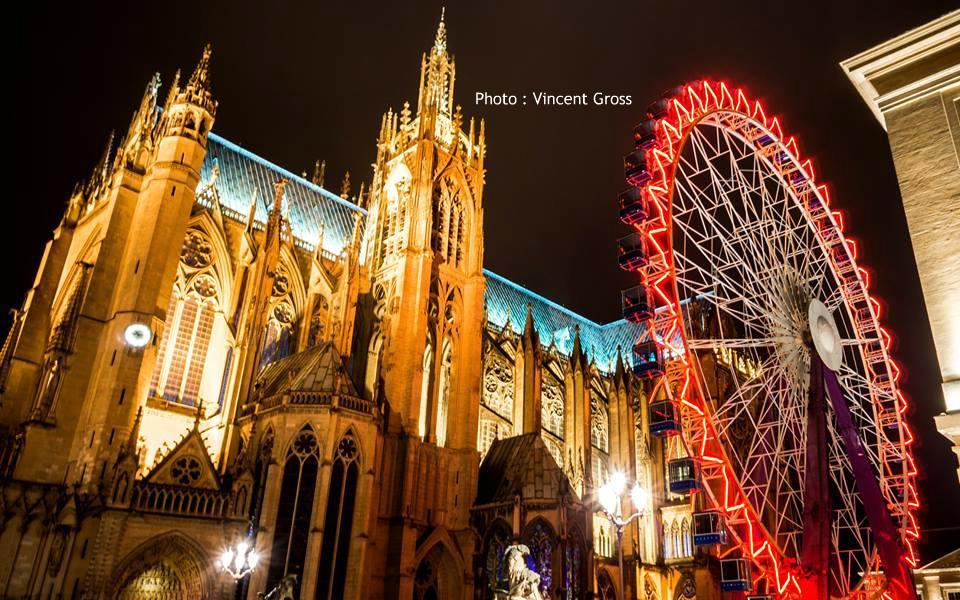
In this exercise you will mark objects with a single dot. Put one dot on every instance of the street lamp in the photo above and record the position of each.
(610, 496)
(239, 561)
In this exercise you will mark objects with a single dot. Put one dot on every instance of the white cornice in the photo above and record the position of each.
(899, 53)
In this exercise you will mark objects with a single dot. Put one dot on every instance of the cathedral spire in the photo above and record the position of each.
(172, 92)
(440, 41)
(578, 359)
(530, 330)
(619, 369)
(319, 172)
(252, 213)
(101, 172)
(142, 121)
(437, 74)
(197, 90)
(200, 80)
(276, 212)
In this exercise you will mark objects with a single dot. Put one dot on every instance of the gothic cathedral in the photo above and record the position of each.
(215, 349)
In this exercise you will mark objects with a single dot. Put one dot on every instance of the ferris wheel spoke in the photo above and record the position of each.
(700, 197)
(731, 344)
(699, 285)
(733, 260)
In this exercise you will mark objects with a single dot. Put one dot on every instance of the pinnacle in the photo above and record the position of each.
(440, 41)
(201, 75)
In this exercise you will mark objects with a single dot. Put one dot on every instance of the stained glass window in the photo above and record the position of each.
(338, 523)
(183, 349)
(541, 543)
(497, 542)
(292, 527)
(573, 573)
(443, 393)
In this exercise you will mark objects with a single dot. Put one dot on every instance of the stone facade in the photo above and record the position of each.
(912, 84)
(215, 349)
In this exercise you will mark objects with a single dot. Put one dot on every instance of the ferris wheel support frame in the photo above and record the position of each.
(816, 541)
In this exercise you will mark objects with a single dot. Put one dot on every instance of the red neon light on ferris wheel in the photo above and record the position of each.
(684, 111)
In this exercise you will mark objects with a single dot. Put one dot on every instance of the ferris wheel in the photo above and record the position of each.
(772, 373)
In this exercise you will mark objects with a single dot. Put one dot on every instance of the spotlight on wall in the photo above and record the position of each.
(137, 335)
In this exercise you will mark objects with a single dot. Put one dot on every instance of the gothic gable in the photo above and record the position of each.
(188, 464)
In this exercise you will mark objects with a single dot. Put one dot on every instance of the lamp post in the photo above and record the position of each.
(610, 497)
(239, 561)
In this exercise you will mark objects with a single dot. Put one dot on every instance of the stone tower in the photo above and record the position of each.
(115, 271)
(423, 250)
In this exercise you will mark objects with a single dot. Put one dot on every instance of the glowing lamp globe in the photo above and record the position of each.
(137, 335)
(607, 498)
(618, 482)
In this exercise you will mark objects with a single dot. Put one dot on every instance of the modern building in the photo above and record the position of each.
(912, 85)
(940, 579)
(215, 348)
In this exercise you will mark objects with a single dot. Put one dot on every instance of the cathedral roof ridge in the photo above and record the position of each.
(241, 174)
(543, 298)
(299, 179)
(507, 302)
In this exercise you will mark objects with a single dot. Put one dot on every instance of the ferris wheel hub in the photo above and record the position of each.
(825, 334)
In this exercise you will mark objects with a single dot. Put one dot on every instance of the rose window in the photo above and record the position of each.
(186, 470)
(196, 252)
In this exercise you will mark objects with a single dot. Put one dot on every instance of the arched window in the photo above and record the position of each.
(573, 573)
(459, 253)
(394, 221)
(443, 393)
(426, 382)
(599, 424)
(540, 540)
(425, 585)
(264, 454)
(372, 373)
(277, 339)
(667, 540)
(448, 222)
(497, 391)
(338, 522)
(677, 541)
(605, 586)
(498, 538)
(687, 540)
(297, 488)
(182, 354)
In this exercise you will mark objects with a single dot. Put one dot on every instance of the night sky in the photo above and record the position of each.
(298, 81)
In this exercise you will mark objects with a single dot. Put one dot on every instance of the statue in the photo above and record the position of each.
(285, 590)
(523, 583)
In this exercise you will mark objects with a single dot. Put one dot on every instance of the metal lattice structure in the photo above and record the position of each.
(748, 278)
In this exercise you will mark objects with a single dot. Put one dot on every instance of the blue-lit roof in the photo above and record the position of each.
(556, 324)
(243, 174)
